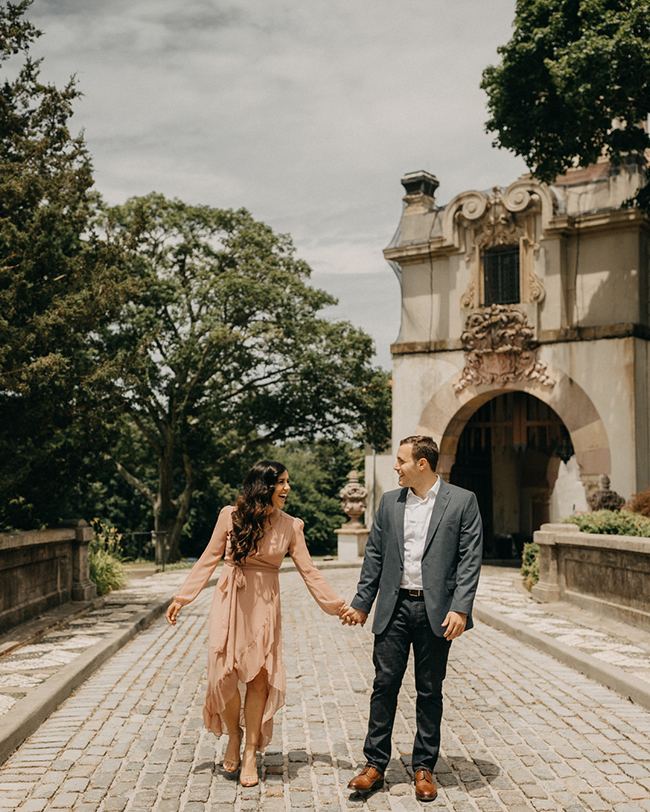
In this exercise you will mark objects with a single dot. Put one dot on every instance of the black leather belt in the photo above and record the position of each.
(413, 593)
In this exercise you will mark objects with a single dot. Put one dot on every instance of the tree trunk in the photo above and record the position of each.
(169, 513)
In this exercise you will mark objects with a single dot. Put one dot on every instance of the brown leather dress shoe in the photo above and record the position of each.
(425, 789)
(368, 779)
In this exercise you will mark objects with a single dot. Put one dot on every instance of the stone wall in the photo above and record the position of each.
(606, 574)
(42, 569)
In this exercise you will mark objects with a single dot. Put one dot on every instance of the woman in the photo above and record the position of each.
(245, 642)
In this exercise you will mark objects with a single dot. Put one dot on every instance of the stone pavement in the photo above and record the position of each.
(615, 653)
(521, 731)
(37, 672)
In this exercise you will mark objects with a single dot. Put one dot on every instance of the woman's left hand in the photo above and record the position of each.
(172, 612)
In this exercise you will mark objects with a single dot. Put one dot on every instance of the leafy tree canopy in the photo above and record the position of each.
(223, 351)
(574, 80)
(60, 279)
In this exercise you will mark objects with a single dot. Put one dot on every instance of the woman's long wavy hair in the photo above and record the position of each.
(250, 513)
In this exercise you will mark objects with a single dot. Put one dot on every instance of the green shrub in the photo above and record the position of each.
(106, 571)
(530, 565)
(612, 523)
(105, 558)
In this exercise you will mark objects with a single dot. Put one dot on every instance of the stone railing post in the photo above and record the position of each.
(83, 589)
(547, 589)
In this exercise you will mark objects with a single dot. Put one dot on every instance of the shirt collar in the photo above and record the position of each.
(431, 493)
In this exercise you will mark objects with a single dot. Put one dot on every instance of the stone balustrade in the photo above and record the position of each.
(41, 569)
(602, 573)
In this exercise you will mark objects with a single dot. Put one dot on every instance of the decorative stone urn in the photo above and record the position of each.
(353, 535)
(605, 498)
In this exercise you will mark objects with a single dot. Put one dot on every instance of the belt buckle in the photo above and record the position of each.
(415, 593)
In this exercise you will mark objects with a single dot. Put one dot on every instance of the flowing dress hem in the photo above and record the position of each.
(258, 655)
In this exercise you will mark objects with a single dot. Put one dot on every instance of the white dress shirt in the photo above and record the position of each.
(417, 517)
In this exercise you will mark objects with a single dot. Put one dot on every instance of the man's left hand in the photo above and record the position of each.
(455, 623)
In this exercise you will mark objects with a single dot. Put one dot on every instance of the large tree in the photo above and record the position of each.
(60, 279)
(574, 82)
(224, 351)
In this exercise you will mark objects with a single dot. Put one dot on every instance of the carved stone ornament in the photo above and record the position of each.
(500, 348)
(353, 499)
(467, 300)
(605, 498)
(498, 220)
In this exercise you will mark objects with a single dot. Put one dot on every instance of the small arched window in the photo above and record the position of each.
(501, 275)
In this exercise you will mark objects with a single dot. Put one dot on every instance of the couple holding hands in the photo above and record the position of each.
(421, 565)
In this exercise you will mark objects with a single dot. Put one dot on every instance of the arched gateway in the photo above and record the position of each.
(447, 414)
(525, 341)
(506, 444)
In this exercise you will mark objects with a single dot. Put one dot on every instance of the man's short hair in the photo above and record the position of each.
(423, 448)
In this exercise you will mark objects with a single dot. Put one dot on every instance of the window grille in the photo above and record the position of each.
(501, 275)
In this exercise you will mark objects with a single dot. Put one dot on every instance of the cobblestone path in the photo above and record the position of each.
(521, 731)
(28, 666)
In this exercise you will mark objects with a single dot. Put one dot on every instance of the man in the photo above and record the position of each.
(422, 563)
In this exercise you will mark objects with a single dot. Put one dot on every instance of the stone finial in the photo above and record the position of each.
(353, 499)
(605, 498)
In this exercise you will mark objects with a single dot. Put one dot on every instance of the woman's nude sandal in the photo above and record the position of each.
(230, 763)
(248, 776)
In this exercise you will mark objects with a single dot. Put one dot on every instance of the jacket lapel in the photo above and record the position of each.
(442, 500)
(400, 507)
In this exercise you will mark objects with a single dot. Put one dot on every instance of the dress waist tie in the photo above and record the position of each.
(232, 579)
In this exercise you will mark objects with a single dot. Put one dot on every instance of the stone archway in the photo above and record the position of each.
(448, 411)
(507, 454)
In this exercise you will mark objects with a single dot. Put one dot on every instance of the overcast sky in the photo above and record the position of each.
(306, 113)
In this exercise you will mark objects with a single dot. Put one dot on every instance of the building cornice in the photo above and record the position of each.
(564, 335)
(600, 222)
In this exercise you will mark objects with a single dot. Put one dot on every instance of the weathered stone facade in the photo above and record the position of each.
(553, 373)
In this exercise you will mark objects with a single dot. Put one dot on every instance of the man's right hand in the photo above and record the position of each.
(353, 617)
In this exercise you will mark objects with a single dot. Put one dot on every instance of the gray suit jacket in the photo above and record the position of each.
(451, 563)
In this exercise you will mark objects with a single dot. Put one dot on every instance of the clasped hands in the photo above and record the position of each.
(352, 617)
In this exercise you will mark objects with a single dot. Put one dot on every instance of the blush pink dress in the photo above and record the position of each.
(245, 624)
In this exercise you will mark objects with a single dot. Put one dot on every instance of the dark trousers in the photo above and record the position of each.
(408, 626)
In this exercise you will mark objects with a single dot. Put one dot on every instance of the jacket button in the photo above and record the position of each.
(397, 591)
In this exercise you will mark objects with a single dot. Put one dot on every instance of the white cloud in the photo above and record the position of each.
(307, 114)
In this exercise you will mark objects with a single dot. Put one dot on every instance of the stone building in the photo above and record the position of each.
(524, 342)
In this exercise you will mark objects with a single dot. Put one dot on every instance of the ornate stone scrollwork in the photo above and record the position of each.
(517, 199)
(468, 299)
(474, 205)
(536, 291)
(499, 348)
(499, 229)
(533, 287)
(499, 226)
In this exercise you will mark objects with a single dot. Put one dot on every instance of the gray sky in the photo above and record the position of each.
(306, 113)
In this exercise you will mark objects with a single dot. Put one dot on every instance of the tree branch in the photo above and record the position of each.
(132, 480)
(146, 433)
